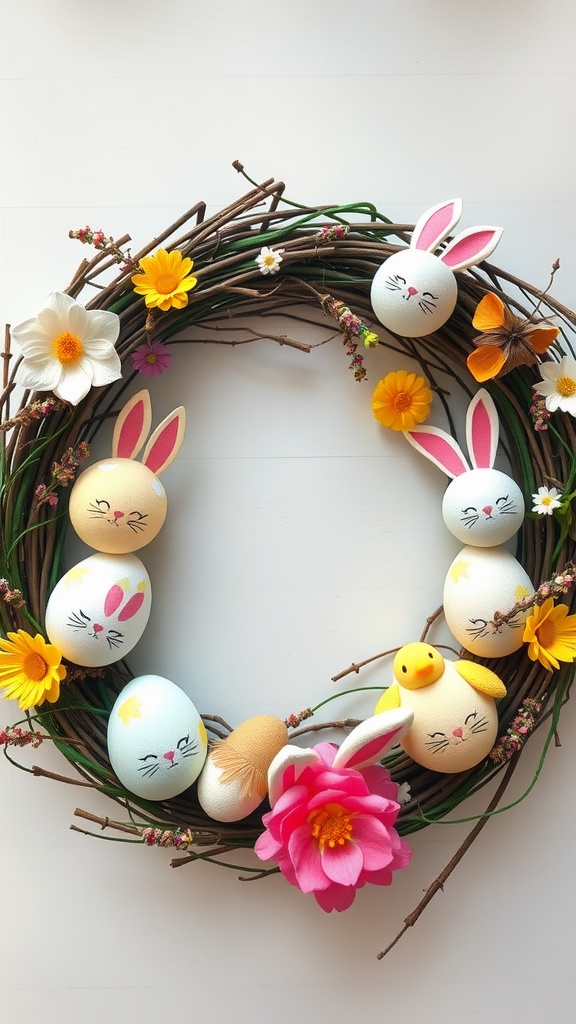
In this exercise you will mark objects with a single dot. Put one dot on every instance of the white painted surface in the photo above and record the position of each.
(299, 517)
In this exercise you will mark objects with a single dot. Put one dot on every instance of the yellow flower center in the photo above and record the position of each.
(566, 386)
(546, 501)
(151, 358)
(402, 400)
(68, 348)
(331, 825)
(546, 634)
(34, 666)
(166, 283)
(270, 259)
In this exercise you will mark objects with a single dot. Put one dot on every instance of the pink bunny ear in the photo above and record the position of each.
(370, 740)
(435, 224)
(132, 426)
(165, 442)
(286, 768)
(482, 430)
(440, 448)
(471, 247)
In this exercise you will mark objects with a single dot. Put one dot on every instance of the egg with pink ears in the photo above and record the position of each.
(157, 740)
(99, 609)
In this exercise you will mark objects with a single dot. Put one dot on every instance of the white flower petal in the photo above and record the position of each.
(77, 320)
(101, 325)
(39, 378)
(106, 371)
(74, 384)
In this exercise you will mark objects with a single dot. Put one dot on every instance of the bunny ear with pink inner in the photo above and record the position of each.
(132, 426)
(482, 430)
(370, 740)
(440, 448)
(287, 767)
(165, 442)
(471, 247)
(435, 224)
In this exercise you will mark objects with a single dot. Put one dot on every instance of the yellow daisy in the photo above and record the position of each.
(30, 669)
(401, 400)
(165, 280)
(551, 634)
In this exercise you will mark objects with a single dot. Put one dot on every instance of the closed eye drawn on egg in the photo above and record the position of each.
(437, 745)
(78, 620)
(395, 283)
(114, 638)
(150, 765)
(478, 629)
(469, 517)
(98, 509)
(478, 725)
(136, 521)
(187, 747)
(505, 507)
(427, 303)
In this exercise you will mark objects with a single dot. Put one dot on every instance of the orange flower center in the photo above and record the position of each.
(566, 386)
(34, 666)
(68, 348)
(402, 400)
(331, 826)
(151, 358)
(167, 283)
(546, 634)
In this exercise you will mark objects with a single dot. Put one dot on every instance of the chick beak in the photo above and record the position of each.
(425, 670)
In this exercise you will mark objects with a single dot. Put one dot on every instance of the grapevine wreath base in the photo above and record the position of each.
(330, 255)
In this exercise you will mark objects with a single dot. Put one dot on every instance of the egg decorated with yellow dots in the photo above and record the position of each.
(157, 741)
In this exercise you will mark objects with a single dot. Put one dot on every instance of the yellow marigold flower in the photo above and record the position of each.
(30, 669)
(401, 400)
(165, 280)
(551, 634)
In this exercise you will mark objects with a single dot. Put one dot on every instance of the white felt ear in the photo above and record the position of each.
(471, 247)
(482, 430)
(435, 224)
(440, 448)
(132, 426)
(292, 760)
(370, 740)
(165, 442)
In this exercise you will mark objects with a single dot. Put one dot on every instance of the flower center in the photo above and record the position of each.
(546, 635)
(402, 401)
(566, 386)
(151, 358)
(68, 348)
(331, 825)
(166, 283)
(270, 259)
(34, 666)
(546, 500)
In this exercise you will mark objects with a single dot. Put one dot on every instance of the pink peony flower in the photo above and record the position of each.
(331, 827)
(152, 359)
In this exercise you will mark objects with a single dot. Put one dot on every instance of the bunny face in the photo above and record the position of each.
(483, 508)
(413, 293)
(117, 506)
(99, 609)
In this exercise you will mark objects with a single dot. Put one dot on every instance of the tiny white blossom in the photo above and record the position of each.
(269, 260)
(558, 384)
(546, 500)
(404, 796)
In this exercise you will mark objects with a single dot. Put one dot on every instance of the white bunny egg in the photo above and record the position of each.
(479, 583)
(413, 293)
(484, 507)
(99, 609)
(157, 740)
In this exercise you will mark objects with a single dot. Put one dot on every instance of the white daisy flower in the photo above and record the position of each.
(546, 500)
(269, 260)
(68, 349)
(558, 385)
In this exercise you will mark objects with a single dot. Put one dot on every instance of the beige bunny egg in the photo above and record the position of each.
(156, 738)
(480, 582)
(117, 506)
(99, 609)
(413, 293)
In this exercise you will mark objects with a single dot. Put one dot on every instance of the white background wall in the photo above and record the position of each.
(299, 536)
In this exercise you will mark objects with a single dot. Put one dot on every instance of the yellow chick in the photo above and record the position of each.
(453, 702)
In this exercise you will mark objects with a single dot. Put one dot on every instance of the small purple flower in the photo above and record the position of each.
(151, 359)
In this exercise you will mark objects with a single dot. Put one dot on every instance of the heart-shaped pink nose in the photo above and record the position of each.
(457, 732)
(487, 510)
(169, 755)
(118, 515)
(412, 291)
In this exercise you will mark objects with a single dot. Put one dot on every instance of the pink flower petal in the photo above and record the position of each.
(305, 856)
(343, 864)
(374, 841)
(335, 897)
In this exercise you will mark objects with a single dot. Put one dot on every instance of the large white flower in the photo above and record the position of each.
(68, 349)
(558, 385)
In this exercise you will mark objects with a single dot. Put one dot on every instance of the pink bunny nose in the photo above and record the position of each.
(97, 627)
(412, 291)
(118, 515)
(169, 755)
(457, 732)
(487, 510)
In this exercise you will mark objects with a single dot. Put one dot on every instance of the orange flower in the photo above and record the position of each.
(401, 400)
(507, 340)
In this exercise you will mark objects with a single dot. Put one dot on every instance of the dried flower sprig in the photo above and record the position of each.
(104, 243)
(36, 411)
(293, 721)
(561, 583)
(11, 595)
(539, 413)
(179, 839)
(63, 473)
(332, 233)
(15, 737)
(520, 728)
(353, 330)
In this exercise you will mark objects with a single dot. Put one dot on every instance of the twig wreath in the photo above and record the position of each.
(332, 818)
